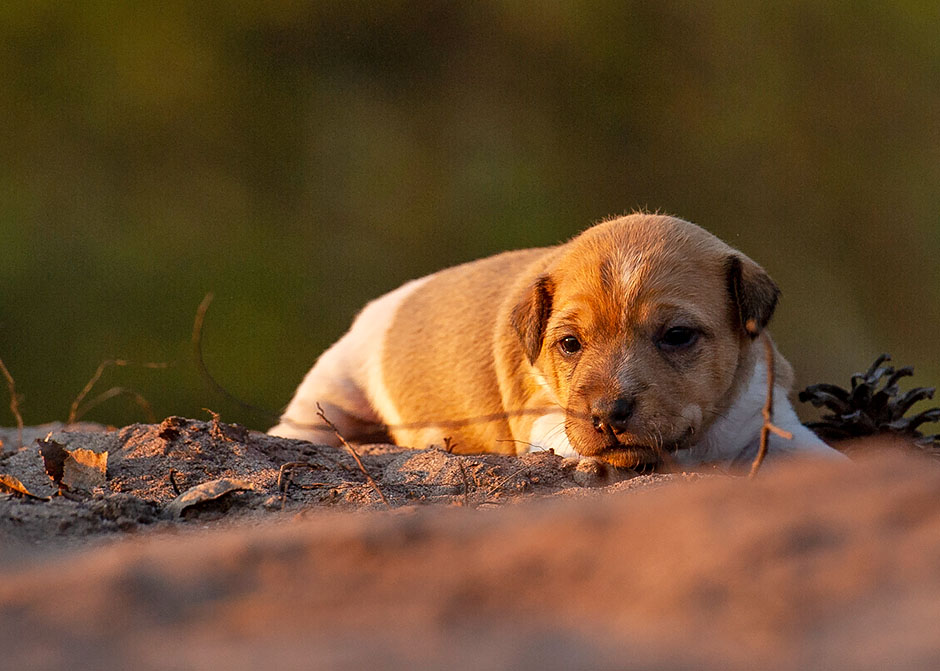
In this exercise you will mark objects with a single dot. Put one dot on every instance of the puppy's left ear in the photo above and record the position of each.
(753, 293)
(530, 316)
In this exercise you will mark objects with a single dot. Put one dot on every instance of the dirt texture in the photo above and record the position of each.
(151, 466)
(210, 546)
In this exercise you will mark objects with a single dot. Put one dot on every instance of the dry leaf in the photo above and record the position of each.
(207, 491)
(53, 458)
(71, 470)
(84, 470)
(10, 485)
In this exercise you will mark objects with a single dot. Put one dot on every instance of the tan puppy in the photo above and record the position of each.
(635, 343)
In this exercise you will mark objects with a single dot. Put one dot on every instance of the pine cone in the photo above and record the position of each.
(873, 406)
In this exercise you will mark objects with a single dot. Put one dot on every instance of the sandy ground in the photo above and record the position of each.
(482, 562)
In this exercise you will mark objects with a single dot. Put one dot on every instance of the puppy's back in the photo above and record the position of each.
(438, 355)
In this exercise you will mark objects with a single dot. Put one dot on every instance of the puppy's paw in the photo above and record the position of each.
(591, 472)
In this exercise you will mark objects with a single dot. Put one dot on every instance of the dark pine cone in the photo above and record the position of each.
(874, 405)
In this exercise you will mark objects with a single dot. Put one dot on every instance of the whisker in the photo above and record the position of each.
(516, 440)
(556, 430)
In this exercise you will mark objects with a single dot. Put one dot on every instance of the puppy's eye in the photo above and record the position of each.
(677, 338)
(570, 345)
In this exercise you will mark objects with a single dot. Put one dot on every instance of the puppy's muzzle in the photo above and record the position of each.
(612, 415)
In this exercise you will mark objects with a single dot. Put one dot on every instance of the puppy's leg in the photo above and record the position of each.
(331, 385)
(348, 383)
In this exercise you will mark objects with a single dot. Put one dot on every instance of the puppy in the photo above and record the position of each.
(636, 343)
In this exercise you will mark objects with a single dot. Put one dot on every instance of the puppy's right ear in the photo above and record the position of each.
(530, 316)
(754, 295)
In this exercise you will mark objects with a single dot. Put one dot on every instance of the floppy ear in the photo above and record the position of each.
(753, 293)
(530, 316)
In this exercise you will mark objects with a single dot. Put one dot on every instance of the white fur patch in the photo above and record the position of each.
(370, 328)
(548, 432)
(735, 436)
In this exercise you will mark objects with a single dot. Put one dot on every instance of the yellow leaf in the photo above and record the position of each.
(85, 470)
(10, 485)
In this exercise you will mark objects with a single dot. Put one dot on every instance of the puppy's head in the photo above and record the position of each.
(639, 327)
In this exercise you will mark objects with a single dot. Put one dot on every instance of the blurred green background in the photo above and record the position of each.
(298, 159)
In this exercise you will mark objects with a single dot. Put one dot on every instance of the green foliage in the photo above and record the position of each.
(300, 158)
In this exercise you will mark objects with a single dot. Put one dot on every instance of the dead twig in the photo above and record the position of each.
(220, 431)
(355, 455)
(215, 430)
(466, 485)
(14, 405)
(286, 471)
(285, 478)
(768, 427)
(176, 487)
(74, 409)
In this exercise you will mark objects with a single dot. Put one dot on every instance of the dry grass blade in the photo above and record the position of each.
(75, 412)
(111, 393)
(354, 454)
(768, 412)
(14, 404)
(204, 370)
(502, 481)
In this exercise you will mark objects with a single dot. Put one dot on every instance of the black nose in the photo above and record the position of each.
(612, 413)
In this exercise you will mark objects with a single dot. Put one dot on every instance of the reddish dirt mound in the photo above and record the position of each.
(149, 466)
(810, 566)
